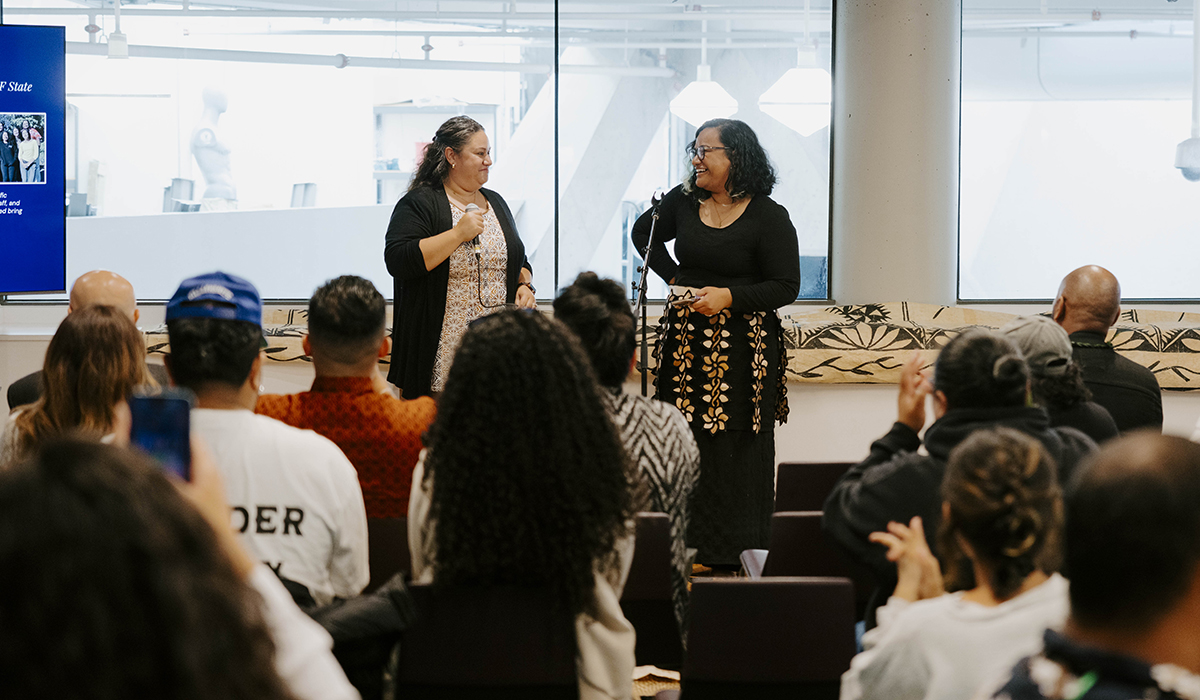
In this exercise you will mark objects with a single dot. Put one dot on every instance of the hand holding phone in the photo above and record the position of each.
(161, 427)
(685, 301)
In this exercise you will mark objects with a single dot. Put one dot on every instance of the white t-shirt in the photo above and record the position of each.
(295, 499)
(303, 649)
(944, 648)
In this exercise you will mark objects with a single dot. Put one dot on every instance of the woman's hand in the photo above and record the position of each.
(526, 298)
(469, 226)
(918, 572)
(712, 300)
(914, 387)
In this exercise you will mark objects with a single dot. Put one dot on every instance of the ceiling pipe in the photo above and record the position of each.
(342, 61)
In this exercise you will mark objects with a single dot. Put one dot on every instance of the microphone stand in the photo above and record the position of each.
(640, 288)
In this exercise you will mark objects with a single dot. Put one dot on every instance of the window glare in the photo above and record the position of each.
(1069, 132)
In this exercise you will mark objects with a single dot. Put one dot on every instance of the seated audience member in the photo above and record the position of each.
(95, 288)
(1132, 549)
(655, 434)
(95, 359)
(999, 536)
(1056, 382)
(350, 402)
(295, 496)
(525, 482)
(980, 381)
(115, 586)
(1088, 304)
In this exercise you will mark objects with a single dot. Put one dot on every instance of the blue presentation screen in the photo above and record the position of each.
(33, 224)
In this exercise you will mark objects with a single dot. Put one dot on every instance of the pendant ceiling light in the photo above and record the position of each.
(800, 98)
(703, 99)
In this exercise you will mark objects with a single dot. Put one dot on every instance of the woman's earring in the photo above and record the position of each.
(453, 165)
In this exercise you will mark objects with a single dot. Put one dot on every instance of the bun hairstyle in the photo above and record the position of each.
(981, 369)
(434, 168)
(597, 311)
(1004, 501)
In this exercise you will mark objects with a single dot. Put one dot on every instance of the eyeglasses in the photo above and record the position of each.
(701, 151)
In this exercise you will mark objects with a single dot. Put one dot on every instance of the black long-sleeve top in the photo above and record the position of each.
(757, 257)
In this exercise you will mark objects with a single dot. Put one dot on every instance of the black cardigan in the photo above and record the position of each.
(420, 294)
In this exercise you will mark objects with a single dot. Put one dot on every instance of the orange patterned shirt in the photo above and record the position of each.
(380, 434)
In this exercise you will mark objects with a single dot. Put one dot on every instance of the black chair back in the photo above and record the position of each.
(491, 643)
(800, 548)
(646, 599)
(781, 637)
(387, 550)
(806, 485)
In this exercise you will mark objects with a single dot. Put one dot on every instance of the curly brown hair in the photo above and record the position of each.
(530, 483)
(114, 586)
(1004, 500)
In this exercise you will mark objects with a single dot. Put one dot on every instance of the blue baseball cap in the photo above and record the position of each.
(216, 295)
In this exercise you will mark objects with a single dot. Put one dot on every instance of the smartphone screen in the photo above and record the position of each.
(162, 428)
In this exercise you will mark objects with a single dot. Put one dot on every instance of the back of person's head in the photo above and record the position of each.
(104, 288)
(597, 311)
(214, 326)
(1056, 381)
(530, 481)
(1003, 499)
(1089, 298)
(981, 369)
(115, 587)
(94, 361)
(346, 317)
(1133, 531)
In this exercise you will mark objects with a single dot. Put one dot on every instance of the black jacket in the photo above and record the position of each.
(1126, 389)
(8, 151)
(896, 482)
(1088, 417)
(420, 294)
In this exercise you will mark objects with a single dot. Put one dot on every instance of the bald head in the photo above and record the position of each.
(1089, 299)
(104, 288)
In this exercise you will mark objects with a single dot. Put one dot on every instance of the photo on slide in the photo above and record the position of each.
(23, 148)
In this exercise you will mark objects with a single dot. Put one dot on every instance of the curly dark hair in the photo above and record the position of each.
(750, 170)
(207, 351)
(95, 359)
(1004, 500)
(530, 483)
(346, 318)
(454, 133)
(598, 312)
(980, 368)
(1062, 392)
(114, 586)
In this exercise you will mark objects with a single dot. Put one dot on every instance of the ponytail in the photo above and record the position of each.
(434, 168)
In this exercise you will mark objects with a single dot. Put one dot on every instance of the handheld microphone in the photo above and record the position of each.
(475, 241)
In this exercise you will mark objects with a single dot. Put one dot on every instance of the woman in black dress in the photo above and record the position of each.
(720, 352)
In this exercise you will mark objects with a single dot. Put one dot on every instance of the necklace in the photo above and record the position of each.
(715, 210)
(463, 207)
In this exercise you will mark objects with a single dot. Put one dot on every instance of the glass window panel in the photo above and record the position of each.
(1071, 116)
(620, 141)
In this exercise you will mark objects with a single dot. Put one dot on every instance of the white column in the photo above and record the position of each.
(895, 135)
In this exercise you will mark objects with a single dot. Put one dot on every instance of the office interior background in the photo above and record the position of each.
(941, 151)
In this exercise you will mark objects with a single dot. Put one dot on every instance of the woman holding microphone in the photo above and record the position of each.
(452, 248)
(720, 352)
